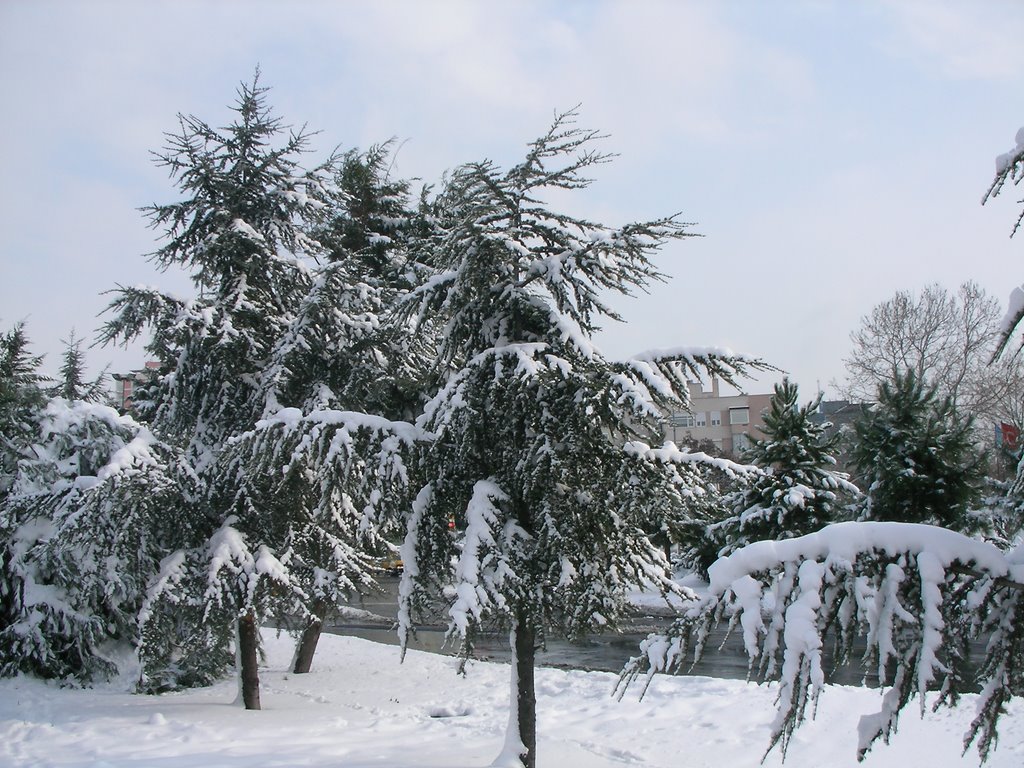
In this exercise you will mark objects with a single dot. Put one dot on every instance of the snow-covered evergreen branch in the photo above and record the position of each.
(916, 595)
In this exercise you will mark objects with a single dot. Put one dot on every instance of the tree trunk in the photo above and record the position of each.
(525, 693)
(247, 657)
(661, 540)
(310, 637)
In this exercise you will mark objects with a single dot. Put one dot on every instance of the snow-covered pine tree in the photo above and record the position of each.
(1001, 509)
(915, 596)
(1013, 504)
(376, 225)
(798, 490)
(72, 384)
(538, 451)
(242, 233)
(203, 598)
(373, 221)
(916, 458)
(22, 396)
(84, 527)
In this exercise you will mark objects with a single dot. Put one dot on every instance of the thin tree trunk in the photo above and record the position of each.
(310, 637)
(247, 656)
(526, 696)
(661, 540)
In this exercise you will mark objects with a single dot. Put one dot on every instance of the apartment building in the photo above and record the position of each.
(731, 422)
(125, 383)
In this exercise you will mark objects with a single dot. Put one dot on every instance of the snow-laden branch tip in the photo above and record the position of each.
(670, 453)
(693, 355)
(916, 595)
(1007, 159)
(294, 418)
(849, 540)
(482, 568)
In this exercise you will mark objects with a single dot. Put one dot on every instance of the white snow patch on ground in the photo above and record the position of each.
(361, 708)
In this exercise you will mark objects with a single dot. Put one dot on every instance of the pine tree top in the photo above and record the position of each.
(242, 233)
(793, 439)
(510, 270)
(18, 367)
(72, 384)
(247, 200)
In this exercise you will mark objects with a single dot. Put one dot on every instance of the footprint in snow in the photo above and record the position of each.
(445, 710)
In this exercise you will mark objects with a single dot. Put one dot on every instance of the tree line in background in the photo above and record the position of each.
(366, 371)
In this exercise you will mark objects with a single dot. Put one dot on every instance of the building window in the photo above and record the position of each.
(740, 443)
(716, 418)
(700, 419)
(683, 420)
(739, 415)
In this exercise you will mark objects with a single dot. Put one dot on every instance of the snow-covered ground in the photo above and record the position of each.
(361, 708)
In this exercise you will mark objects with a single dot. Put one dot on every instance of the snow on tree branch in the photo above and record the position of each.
(234, 571)
(510, 269)
(679, 365)
(1012, 319)
(345, 468)
(338, 313)
(672, 456)
(917, 595)
(510, 360)
(483, 567)
(1010, 167)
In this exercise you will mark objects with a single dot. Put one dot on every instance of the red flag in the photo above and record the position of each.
(1010, 436)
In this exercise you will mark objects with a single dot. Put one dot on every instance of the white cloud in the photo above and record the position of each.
(976, 40)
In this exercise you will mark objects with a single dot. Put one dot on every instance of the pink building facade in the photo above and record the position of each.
(731, 422)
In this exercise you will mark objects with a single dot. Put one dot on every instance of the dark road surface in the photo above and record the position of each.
(605, 652)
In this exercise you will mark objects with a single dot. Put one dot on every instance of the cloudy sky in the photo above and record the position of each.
(830, 153)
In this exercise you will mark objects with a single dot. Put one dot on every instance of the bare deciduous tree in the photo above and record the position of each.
(947, 339)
